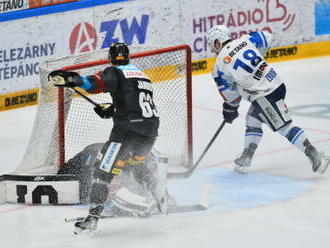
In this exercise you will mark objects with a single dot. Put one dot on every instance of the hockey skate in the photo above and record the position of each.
(90, 222)
(319, 161)
(244, 160)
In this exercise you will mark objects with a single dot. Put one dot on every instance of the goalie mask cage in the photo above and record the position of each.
(66, 123)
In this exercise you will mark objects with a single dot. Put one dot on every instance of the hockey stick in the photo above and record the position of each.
(191, 170)
(173, 210)
(85, 97)
(202, 205)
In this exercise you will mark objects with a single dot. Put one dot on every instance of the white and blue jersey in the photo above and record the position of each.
(241, 71)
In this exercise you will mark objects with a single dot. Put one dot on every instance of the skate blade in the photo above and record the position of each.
(241, 169)
(324, 165)
(78, 231)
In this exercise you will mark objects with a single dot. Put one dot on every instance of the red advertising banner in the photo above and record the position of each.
(42, 3)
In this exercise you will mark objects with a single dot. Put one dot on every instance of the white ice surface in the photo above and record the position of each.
(295, 214)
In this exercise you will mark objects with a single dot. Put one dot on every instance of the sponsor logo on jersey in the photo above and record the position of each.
(237, 48)
(283, 108)
(110, 156)
(271, 75)
(260, 71)
(251, 92)
(227, 59)
(116, 171)
(271, 115)
(134, 74)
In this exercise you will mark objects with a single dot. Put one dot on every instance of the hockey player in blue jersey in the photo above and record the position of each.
(240, 71)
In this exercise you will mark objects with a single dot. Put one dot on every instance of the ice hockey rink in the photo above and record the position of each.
(279, 203)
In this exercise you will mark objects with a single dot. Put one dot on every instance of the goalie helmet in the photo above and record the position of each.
(220, 33)
(119, 53)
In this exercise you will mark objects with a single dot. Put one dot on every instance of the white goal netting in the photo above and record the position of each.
(66, 123)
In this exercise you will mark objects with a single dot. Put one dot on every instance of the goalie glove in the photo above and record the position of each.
(229, 112)
(105, 110)
(61, 78)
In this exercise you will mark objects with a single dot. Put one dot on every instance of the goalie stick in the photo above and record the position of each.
(203, 204)
(188, 173)
(174, 210)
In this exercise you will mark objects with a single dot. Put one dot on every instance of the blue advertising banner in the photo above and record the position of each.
(322, 17)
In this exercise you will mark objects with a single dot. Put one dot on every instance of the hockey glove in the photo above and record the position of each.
(105, 110)
(229, 112)
(61, 78)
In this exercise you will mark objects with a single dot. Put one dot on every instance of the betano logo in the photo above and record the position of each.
(84, 37)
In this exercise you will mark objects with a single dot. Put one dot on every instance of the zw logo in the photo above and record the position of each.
(37, 193)
(83, 37)
(38, 179)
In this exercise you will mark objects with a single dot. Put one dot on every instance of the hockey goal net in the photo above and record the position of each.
(66, 123)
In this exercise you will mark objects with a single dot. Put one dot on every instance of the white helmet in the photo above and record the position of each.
(220, 33)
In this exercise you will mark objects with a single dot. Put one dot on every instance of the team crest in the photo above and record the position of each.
(227, 59)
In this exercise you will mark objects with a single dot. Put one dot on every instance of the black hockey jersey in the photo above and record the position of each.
(132, 94)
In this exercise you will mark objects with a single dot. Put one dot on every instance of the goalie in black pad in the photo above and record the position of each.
(127, 197)
(135, 126)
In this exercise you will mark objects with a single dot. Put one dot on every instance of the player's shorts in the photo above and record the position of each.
(122, 146)
(271, 109)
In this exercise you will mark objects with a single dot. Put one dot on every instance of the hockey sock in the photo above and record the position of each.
(99, 193)
(296, 136)
(252, 135)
